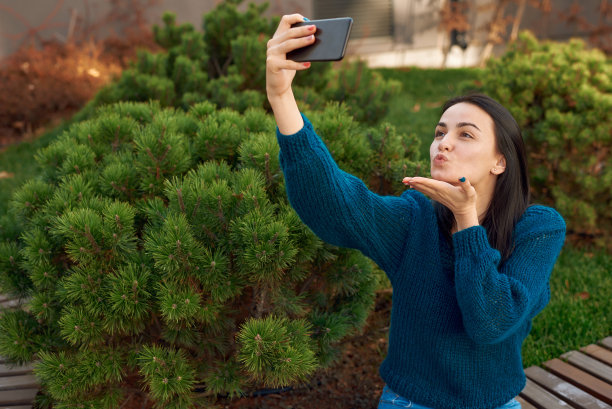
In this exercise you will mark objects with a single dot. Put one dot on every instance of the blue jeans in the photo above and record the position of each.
(391, 400)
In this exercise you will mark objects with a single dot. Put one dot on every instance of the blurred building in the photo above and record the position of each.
(385, 32)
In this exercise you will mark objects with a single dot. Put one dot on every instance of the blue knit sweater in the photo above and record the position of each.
(458, 317)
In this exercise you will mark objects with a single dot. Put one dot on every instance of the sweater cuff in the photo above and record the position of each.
(471, 241)
(298, 142)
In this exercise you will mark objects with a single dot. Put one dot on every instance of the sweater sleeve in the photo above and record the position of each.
(496, 302)
(337, 206)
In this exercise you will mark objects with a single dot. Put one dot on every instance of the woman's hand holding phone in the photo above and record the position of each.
(280, 71)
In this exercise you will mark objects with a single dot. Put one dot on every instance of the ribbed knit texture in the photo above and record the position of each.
(458, 318)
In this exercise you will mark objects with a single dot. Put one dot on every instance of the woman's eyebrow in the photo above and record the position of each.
(459, 125)
(462, 124)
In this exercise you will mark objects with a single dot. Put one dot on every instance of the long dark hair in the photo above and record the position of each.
(511, 194)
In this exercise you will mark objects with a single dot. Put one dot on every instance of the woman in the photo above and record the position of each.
(468, 259)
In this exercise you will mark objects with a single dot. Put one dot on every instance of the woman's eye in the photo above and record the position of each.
(467, 135)
(439, 134)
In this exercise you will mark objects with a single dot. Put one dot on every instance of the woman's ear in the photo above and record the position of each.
(500, 166)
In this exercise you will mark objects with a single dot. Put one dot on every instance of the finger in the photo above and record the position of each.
(423, 186)
(301, 31)
(420, 180)
(408, 180)
(427, 190)
(465, 184)
(278, 64)
(435, 189)
(290, 45)
(294, 33)
(288, 20)
(436, 184)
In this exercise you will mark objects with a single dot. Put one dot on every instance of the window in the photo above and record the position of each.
(371, 18)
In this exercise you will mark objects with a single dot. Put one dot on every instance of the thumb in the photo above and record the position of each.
(467, 188)
(465, 184)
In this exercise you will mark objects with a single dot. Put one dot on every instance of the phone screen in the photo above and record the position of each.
(330, 43)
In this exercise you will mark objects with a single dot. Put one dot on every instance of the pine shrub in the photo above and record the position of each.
(561, 96)
(159, 251)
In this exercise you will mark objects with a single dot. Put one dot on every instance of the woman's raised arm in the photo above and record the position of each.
(337, 206)
(280, 71)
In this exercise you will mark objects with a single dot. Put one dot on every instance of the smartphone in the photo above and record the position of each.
(330, 43)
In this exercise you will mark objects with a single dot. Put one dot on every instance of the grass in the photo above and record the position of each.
(424, 91)
(580, 309)
(18, 160)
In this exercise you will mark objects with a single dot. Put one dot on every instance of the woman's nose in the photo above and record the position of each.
(444, 145)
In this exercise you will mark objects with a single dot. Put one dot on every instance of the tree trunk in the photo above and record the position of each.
(496, 21)
(517, 20)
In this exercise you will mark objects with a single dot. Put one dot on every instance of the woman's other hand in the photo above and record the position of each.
(279, 70)
(460, 198)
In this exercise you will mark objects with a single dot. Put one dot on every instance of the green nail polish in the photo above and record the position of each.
(461, 180)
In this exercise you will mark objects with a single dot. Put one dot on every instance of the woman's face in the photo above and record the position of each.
(464, 146)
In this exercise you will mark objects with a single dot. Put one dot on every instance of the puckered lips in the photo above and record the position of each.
(440, 159)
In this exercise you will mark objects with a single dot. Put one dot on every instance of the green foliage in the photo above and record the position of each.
(365, 91)
(67, 375)
(12, 277)
(20, 334)
(277, 350)
(381, 157)
(561, 96)
(226, 31)
(169, 376)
